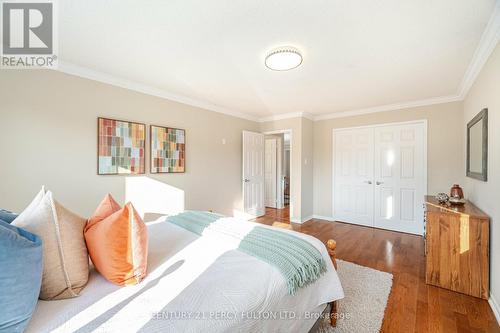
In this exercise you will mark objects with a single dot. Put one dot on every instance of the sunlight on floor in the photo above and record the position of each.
(389, 252)
(281, 225)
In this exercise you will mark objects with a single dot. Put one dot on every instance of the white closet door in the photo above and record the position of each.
(253, 173)
(399, 177)
(353, 169)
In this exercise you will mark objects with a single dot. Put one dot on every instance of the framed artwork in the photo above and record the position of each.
(120, 147)
(168, 149)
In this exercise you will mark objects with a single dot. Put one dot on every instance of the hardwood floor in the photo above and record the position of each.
(413, 305)
(280, 215)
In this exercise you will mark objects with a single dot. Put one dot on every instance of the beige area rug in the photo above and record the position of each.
(366, 293)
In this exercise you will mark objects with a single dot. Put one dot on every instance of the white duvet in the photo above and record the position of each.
(194, 284)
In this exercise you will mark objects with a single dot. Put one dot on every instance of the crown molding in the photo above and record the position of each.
(489, 40)
(72, 69)
(308, 116)
(390, 107)
(98, 76)
(287, 116)
(487, 44)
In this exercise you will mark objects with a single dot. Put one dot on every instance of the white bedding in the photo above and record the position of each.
(193, 284)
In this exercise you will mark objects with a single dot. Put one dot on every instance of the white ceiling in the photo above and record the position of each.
(358, 54)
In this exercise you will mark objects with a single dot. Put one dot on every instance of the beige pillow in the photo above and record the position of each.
(65, 257)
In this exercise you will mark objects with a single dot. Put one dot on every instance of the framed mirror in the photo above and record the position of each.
(477, 146)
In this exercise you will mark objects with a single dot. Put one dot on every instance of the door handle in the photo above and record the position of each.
(379, 183)
(246, 180)
(368, 182)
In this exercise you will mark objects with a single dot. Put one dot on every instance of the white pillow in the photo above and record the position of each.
(32, 206)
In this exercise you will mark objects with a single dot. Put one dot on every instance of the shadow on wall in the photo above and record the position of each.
(152, 198)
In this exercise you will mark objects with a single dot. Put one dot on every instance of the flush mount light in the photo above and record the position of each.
(283, 59)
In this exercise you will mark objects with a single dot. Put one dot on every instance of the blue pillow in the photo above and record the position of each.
(7, 216)
(20, 276)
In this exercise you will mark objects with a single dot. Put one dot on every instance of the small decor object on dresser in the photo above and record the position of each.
(121, 146)
(168, 150)
(456, 192)
(456, 195)
(442, 198)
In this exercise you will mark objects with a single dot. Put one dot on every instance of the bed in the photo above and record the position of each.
(194, 284)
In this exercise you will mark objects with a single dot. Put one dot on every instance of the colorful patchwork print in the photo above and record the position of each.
(121, 146)
(168, 149)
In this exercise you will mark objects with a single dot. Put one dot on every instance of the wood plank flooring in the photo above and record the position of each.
(413, 305)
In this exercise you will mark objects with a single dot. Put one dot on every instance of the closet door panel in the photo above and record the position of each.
(399, 177)
(353, 175)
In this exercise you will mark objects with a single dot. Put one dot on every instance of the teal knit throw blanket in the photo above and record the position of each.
(299, 262)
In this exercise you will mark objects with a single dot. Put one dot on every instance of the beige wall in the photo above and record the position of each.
(48, 136)
(307, 169)
(60, 116)
(445, 142)
(485, 93)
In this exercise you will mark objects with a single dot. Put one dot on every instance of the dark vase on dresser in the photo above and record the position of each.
(456, 192)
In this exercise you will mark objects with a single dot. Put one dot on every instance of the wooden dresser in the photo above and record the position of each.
(457, 248)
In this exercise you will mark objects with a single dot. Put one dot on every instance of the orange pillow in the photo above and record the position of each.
(118, 243)
(107, 207)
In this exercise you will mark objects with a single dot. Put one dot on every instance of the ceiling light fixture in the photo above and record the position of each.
(283, 59)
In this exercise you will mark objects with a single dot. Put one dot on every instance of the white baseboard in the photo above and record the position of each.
(495, 307)
(302, 219)
(321, 217)
(307, 218)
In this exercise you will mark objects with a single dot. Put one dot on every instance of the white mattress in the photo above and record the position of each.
(193, 284)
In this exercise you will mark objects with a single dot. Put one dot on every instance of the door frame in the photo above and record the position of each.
(277, 172)
(419, 121)
(281, 189)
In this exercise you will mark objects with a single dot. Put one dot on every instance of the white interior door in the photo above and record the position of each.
(253, 173)
(353, 170)
(271, 177)
(399, 177)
